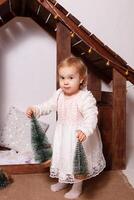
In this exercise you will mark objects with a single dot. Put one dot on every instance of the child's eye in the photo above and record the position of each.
(61, 77)
(71, 77)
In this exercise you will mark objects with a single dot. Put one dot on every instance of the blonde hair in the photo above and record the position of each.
(80, 66)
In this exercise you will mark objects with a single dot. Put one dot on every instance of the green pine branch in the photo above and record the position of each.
(41, 146)
(80, 161)
(4, 179)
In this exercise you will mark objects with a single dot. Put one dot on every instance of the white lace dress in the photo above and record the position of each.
(76, 112)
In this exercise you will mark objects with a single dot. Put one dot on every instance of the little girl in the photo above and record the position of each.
(77, 120)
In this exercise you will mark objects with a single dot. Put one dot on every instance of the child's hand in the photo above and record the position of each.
(81, 136)
(30, 112)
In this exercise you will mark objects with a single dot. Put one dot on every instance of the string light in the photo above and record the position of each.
(126, 73)
(90, 50)
(108, 63)
(56, 17)
(72, 34)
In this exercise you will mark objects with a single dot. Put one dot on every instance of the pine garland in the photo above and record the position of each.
(80, 162)
(4, 179)
(41, 146)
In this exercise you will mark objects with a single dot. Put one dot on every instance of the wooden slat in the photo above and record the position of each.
(115, 55)
(121, 59)
(85, 30)
(25, 169)
(96, 40)
(119, 121)
(52, 1)
(73, 18)
(61, 8)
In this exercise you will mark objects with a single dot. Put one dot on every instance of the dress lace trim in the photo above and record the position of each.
(69, 178)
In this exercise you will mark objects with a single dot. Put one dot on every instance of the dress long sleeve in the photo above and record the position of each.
(89, 111)
(48, 106)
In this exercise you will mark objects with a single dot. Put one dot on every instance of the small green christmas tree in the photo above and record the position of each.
(41, 146)
(4, 179)
(80, 162)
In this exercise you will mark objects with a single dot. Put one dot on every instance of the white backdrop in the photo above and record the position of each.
(28, 67)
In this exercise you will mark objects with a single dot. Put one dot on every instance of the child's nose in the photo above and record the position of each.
(65, 81)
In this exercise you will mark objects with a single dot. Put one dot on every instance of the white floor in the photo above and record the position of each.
(129, 171)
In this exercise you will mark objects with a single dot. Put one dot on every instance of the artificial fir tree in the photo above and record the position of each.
(5, 179)
(41, 146)
(80, 162)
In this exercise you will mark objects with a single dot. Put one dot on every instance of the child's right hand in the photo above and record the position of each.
(30, 111)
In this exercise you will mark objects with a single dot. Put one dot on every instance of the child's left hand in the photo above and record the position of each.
(81, 136)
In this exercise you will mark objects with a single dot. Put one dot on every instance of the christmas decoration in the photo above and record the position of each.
(5, 179)
(80, 162)
(41, 146)
(15, 134)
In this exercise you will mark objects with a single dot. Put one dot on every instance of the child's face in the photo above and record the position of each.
(69, 80)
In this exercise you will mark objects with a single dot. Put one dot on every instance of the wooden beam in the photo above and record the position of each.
(94, 84)
(25, 168)
(119, 121)
(63, 43)
(2, 1)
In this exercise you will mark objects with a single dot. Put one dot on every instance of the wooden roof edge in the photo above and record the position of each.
(96, 44)
(92, 36)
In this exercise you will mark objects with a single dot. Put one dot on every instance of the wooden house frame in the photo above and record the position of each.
(103, 64)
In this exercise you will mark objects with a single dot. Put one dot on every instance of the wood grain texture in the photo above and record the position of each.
(119, 122)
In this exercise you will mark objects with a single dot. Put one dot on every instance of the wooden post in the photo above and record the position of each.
(119, 121)
(94, 85)
(63, 42)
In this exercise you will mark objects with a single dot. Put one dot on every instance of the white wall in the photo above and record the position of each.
(29, 54)
(27, 67)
